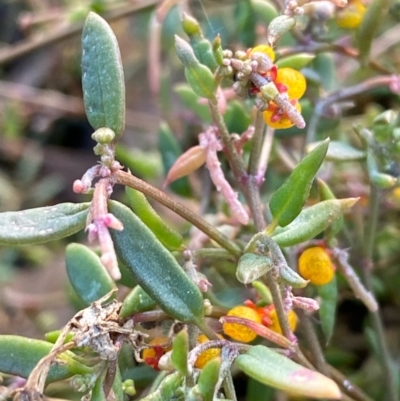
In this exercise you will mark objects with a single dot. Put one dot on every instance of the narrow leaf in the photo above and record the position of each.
(340, 152)
(296, 61)
(208, 379)
(370, 24)
(170, 238)
(87, 274)
(43, 224)
(287, 202)
(273, 369)
(102, 76)
(312, 221)
(154, 268)
(136, 301)
(327, 308)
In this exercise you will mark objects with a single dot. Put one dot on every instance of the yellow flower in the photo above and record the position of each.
(207, 355)
(293, 80)
(315, 265)
(264, 49)
(275, 326)
(351, 16)
(275, 118)
(159, 346)
(240, 332)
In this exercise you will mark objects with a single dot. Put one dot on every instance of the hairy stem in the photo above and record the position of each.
(129, 180)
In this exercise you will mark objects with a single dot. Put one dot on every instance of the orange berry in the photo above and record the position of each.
(315, 265)
(293, 80)
(264, 49)
(275, 118)
(240, 332)
(207, 355)
(351, 16)
(275, 326)
(159, 346)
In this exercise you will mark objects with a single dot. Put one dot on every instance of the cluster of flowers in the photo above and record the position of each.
(287, 81)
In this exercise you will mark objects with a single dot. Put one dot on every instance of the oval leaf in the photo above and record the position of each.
(154, 267)
(312, 221)
(286, 203)
(296, 61)
(273, 369)
(43, 224)
(87, 274)
(19, 355)
(251, 267)
(102, 76)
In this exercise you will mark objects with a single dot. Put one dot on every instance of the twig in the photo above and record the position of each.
(136, 183)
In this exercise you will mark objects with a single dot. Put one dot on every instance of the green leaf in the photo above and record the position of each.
(370, 24)
(168, 389)
(180, 350)
(265, 11)
(273, 369)
(296, 61)
(102, 76)
(98, 391)
(340, 152)
(327, 307)
(312, 221)
(154, 268)
(170, 238)
(191, 101)
(325, 193)
(198, 76)
(208, 379)
(43, 224)
(170, 150)
(287, 202)
(19, 355)
(251, 267)
(245, 22)
(87, 274)
(236, 118)
(136, 301)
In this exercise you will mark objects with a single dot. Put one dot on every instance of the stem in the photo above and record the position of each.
(229, 388)
(375, 316)
(347, 385)
(129, 180)
(315, 347)
(256, 148)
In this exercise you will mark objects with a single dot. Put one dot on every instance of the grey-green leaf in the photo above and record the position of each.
(312, 221)
(102, 76)
(43, 224)
(19, 355)
(287, 202)
(154, 268)
(87, 274)
(278, 371)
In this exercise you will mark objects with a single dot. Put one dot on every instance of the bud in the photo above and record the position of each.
(190, 25)
(103, 136)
